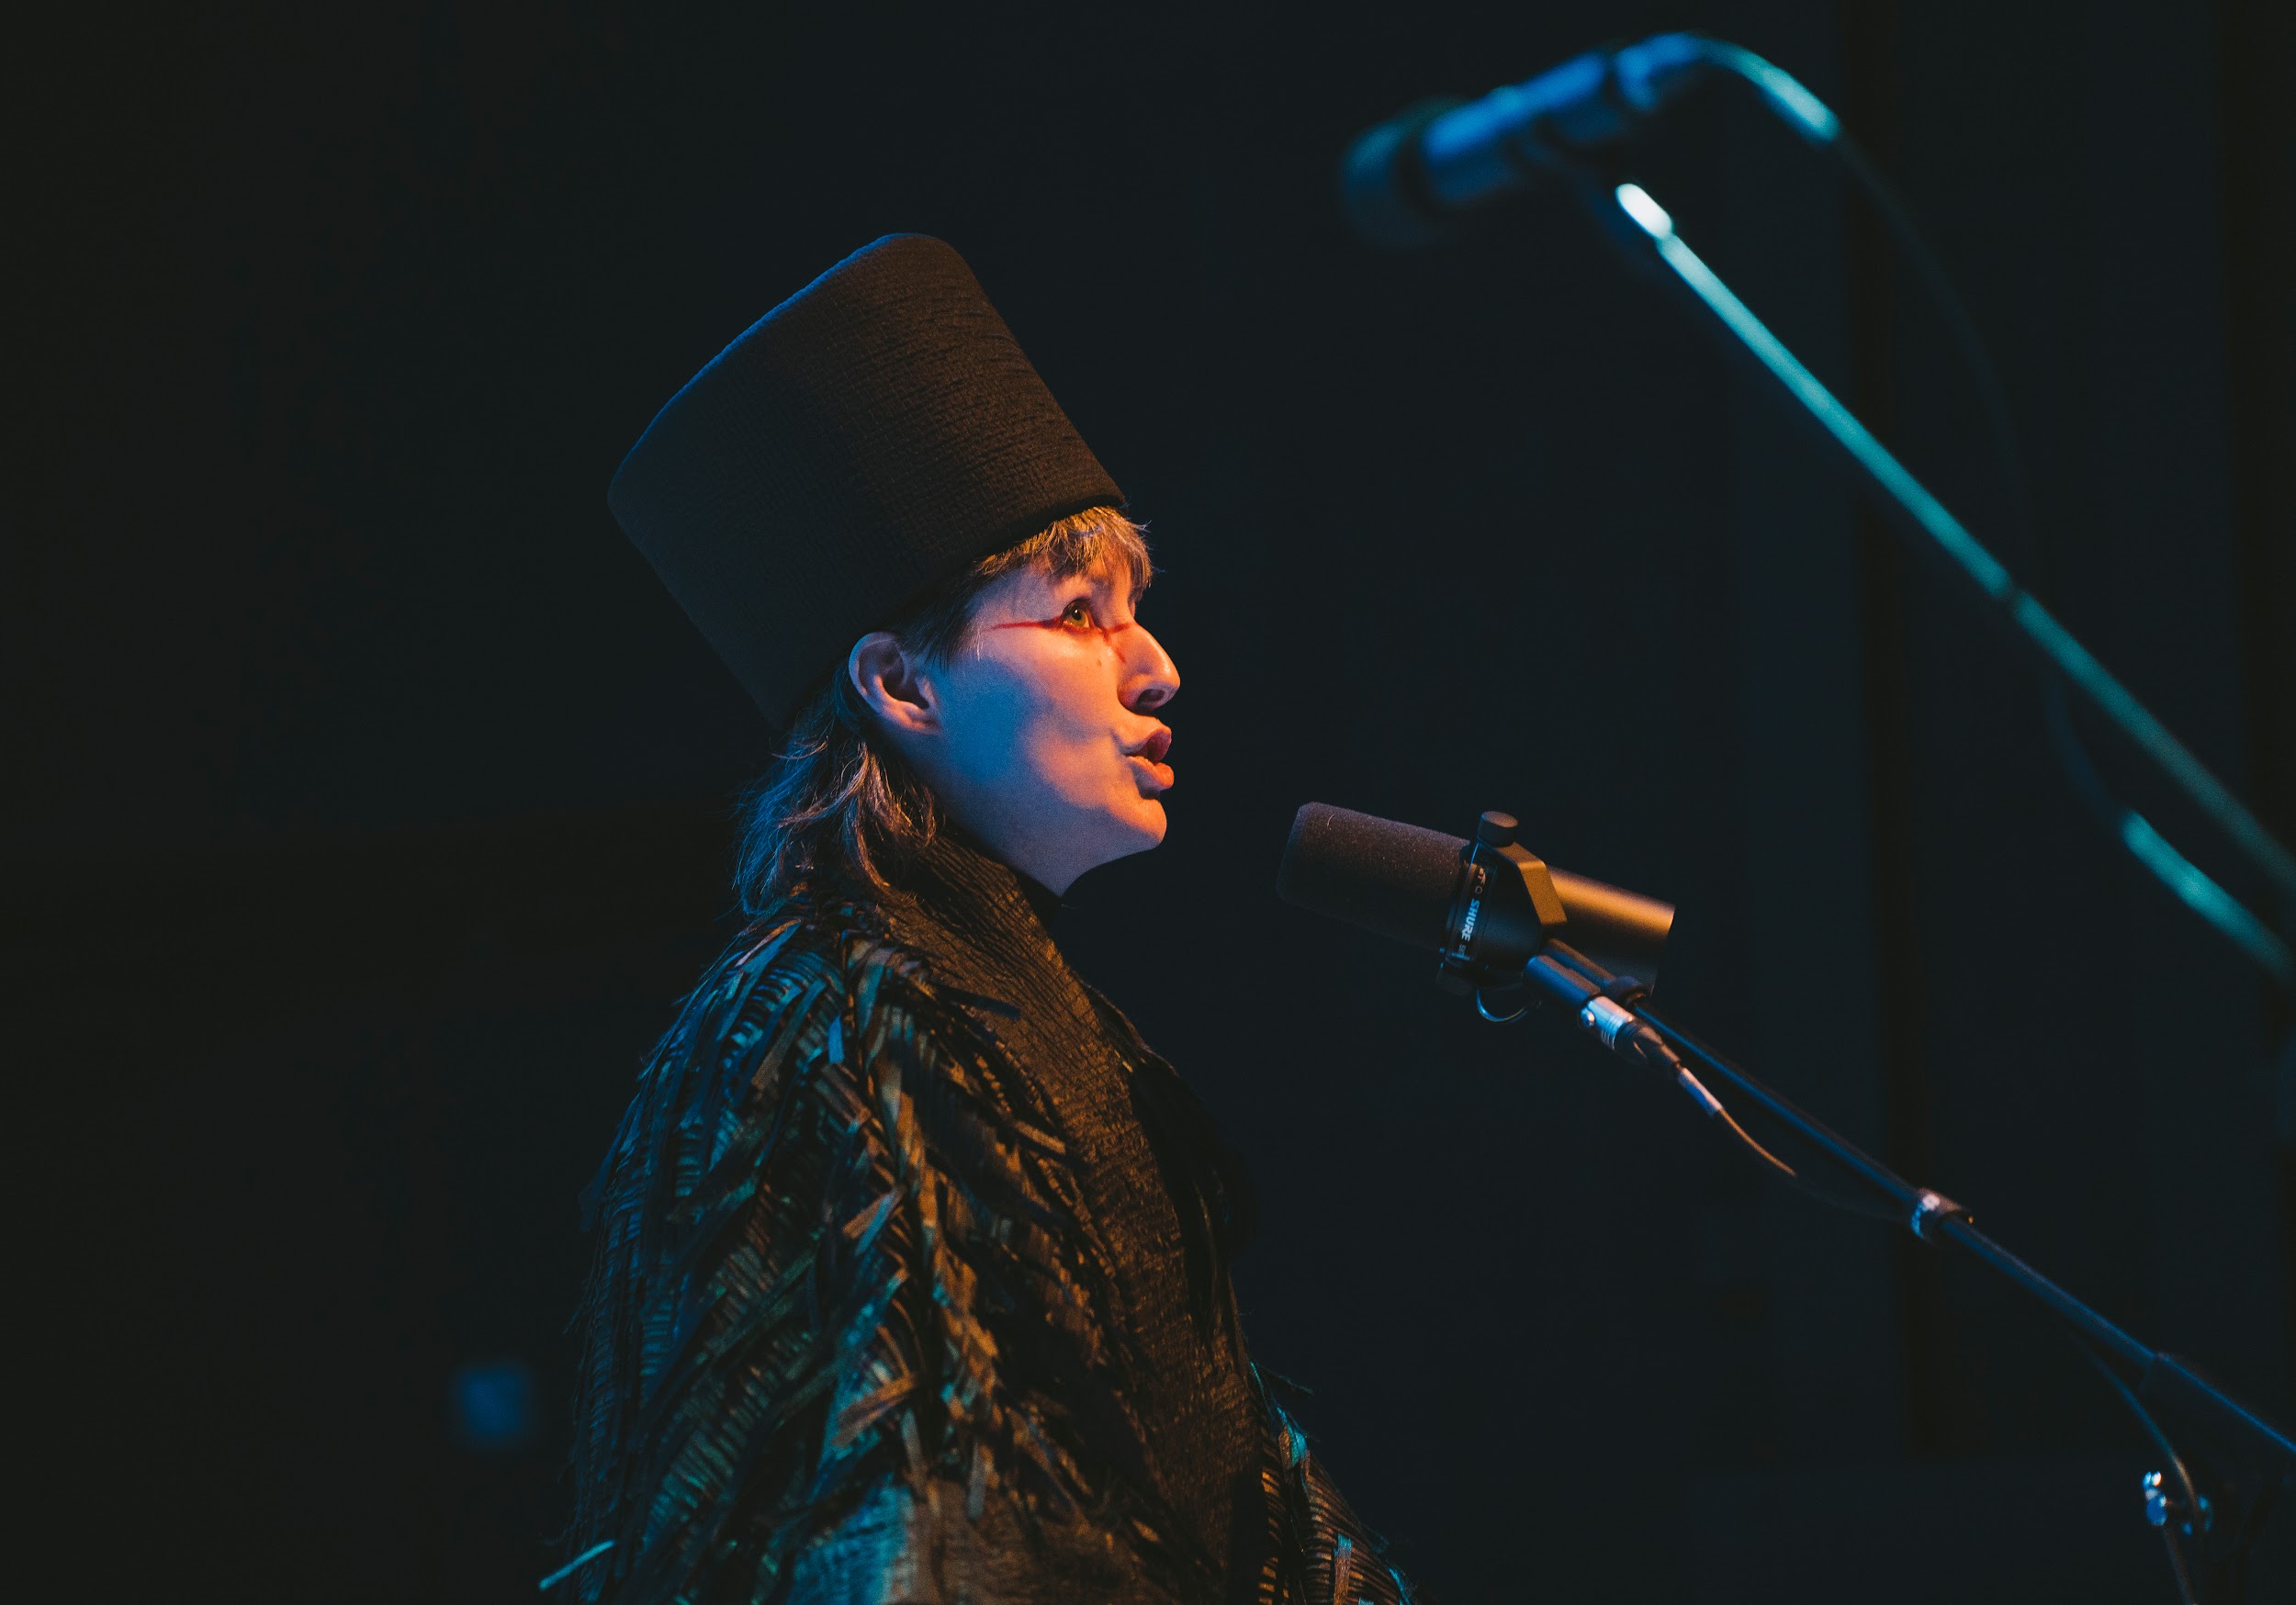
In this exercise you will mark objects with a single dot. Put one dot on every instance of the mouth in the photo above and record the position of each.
(1149, 754)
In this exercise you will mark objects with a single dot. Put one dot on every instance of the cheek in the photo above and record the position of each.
(1045, 720)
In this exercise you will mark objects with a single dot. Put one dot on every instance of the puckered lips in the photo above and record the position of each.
(1147, 756)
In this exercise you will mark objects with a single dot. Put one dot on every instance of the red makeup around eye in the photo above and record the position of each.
(1059, 623)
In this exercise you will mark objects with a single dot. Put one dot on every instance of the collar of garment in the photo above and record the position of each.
(957, 879)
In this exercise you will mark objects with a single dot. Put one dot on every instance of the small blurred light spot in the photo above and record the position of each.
(494, 1406)
(1636, 202)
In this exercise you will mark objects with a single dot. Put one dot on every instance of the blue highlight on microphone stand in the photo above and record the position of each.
(2029, 622)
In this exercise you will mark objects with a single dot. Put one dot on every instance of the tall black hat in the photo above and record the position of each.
(869, 438)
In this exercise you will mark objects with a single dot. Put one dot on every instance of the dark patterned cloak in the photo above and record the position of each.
(912, 1288)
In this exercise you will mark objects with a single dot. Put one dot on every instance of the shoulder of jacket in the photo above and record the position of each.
(777, 1005)
(808, 958)
(1130, 1044)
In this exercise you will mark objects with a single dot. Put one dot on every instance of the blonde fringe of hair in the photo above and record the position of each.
(838, 801)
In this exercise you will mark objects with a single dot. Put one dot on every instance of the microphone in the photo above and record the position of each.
(1406, 182)
(1495, 914)
(1487, 907)
(1409, 181)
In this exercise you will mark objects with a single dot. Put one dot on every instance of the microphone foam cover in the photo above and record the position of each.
(1382, 188)
(1391, 879)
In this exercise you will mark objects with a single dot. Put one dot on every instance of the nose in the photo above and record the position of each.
(1150, 678)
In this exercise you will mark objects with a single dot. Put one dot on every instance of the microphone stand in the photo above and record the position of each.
(1645, 232)
(2209, 1502)
(2208, 1506)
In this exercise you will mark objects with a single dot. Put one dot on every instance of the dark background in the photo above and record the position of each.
(369, 798)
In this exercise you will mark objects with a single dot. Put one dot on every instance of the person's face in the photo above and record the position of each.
(1040, 735)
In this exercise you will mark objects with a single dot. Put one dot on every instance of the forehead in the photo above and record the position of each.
(1109, 573)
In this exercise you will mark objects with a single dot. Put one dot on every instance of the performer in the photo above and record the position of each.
(911, 1273)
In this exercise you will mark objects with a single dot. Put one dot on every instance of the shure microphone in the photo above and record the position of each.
(1426, 888)
(1496, 917)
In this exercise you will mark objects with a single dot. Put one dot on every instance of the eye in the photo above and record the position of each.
(1078, 613)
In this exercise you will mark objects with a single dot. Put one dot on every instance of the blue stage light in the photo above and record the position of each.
(494, 1405)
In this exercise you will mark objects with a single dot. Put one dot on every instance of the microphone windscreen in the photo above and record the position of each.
(1391, 879)
(1382, 186)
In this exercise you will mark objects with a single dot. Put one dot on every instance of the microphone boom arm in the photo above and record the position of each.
(2248, 1460)
(1639, 222)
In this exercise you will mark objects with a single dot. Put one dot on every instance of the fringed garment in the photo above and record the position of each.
(912, 1288)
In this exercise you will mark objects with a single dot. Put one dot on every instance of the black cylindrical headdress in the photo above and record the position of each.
(866, 440)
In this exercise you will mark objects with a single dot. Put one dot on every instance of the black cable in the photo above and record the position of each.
(1756, 1148)
(1656, 1047)
(1804, 1181)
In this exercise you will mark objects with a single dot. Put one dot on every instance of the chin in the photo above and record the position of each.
(1155, 821)
(1121, 828)
(1139, 826)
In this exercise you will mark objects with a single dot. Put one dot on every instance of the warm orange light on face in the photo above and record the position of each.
(1051, 752)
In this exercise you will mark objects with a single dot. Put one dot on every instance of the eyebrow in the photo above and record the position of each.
(1141, 583)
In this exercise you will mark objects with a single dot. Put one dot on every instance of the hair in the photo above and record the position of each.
(839, 799)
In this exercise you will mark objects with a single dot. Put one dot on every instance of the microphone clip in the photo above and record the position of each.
(1505, 908)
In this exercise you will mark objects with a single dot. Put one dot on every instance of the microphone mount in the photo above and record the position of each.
(1502, 935)
(1508, 906)
(1503, 910)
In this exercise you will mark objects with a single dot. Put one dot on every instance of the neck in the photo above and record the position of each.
(1024, 851)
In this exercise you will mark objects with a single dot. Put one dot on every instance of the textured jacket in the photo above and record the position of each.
(912, 1286)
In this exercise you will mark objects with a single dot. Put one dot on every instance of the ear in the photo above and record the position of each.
(891, 688)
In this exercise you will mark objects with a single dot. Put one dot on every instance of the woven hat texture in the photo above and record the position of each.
(866, 440)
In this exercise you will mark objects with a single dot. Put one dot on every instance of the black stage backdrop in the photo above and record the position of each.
(367, 797)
